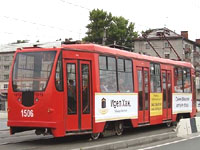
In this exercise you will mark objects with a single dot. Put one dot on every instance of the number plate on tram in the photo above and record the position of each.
(27, 113)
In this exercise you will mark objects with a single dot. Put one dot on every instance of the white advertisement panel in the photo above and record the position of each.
(115, 106)
(181, 103)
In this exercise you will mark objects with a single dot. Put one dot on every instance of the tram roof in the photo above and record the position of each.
(114, 51)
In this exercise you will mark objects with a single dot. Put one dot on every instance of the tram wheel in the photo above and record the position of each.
(95, 136)
(119, 128)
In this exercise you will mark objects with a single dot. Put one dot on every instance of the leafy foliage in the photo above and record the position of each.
(107, 29)
(144, 33)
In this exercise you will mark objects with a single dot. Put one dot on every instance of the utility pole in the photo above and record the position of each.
(104, 37)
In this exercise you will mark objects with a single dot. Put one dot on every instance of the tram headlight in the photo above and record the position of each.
(8, 109)
(50, 110)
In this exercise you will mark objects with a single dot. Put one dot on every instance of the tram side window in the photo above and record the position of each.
(85, 89)
(155, 78)
(59, 77)
(140, 88)
(182, 82)
(125, 75)
(71, 89)
(187, 80)
(108, 79)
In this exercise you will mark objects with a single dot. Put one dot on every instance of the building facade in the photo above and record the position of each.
(5, 66)
(168, 44)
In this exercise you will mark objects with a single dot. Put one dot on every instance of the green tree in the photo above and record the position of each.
(107, 29)
(121, 32)
(145, 33)
(99, 21)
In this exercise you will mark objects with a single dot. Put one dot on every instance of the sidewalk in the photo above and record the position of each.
(3, 124)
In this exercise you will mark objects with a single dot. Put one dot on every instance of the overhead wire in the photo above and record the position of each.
(54, 27)
(76, 5)
(34, 23)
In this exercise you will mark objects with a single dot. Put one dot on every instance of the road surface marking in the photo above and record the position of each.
(160, 145)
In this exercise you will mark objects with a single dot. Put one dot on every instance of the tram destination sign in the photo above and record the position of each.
(115, 106)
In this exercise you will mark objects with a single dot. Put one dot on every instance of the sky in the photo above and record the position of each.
(50, 20)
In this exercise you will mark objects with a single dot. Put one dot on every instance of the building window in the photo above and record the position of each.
(2, 106)
(167, 56)
(187, 46)
(6, 77)
(147, 46)
(198, 49)
(187, 55)
(3, 99)
(5, 86)
(6, 67)
(167, 45)
(6, 58)
(155, 78)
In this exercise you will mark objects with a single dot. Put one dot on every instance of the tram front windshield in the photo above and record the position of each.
(32, 70)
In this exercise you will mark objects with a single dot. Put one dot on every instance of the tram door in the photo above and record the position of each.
(143, 94)
(167, 94)
(78, 95)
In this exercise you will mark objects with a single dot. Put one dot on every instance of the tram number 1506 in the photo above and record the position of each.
(27, 113)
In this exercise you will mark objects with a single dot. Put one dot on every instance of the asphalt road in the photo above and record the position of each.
(188, 143)
(28, 140)
(182, 144)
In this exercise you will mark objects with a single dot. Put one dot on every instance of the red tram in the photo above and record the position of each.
(87, 89)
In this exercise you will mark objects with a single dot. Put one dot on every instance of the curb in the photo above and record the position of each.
(4, 129)
(130, 143)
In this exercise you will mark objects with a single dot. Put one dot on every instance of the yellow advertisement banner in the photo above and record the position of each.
(156, 104)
